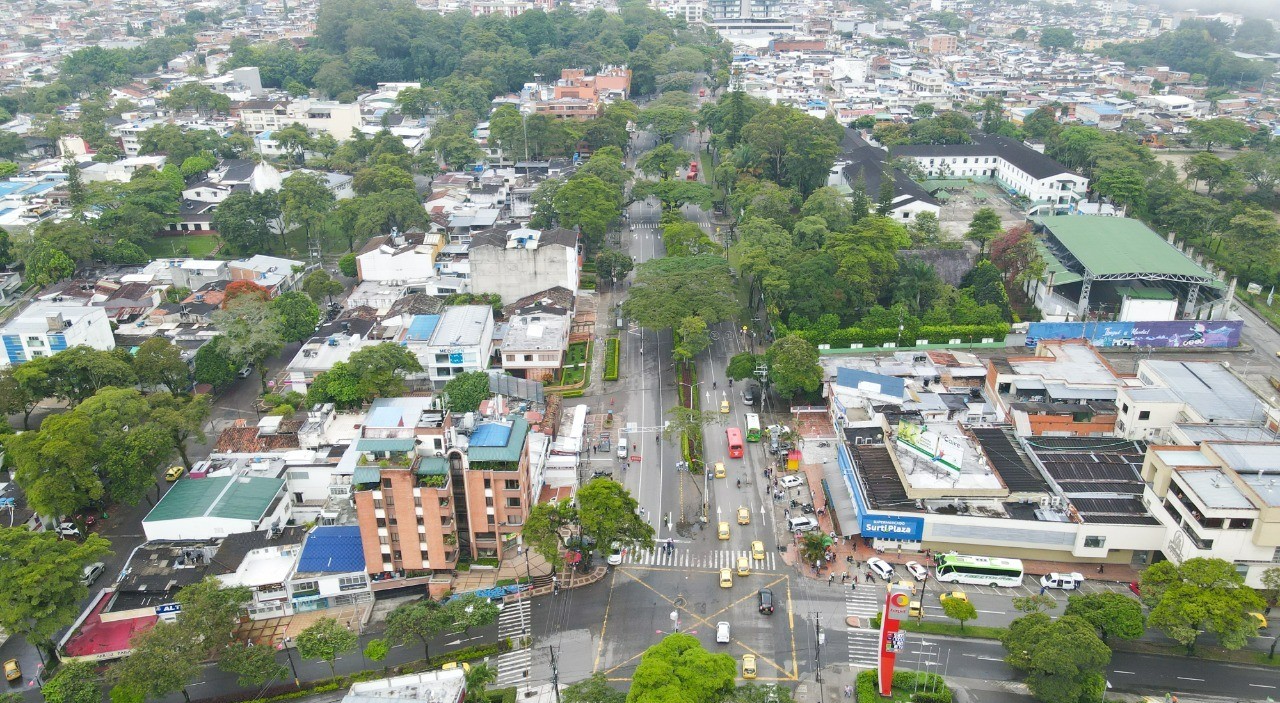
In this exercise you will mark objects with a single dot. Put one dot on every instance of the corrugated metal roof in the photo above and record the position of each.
(394, 444)
(1120, 245)
(232, 497)
(366, 474)
(433, 465)
(510, 451)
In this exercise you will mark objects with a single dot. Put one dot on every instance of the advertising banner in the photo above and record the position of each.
(1161, 334)
(903, 528)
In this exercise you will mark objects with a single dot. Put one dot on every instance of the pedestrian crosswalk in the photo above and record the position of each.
(863, 603)
(514, 624)
(689, 559)
(645, 225)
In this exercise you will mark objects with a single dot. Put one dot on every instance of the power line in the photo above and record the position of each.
(555, 674)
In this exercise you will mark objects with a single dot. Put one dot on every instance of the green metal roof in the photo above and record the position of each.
(1145, 293)
(510, 452)
(232, 497)
(429, 465)
(393, 444)
(1061, 274)
(1119, 245)
(366, 474)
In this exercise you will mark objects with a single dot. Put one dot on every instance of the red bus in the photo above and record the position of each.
(735, 442)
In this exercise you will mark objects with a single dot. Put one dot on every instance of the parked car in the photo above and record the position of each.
(722, 632)
(615, 555)
(1067, 582)
(92, 572)
(1135, 588)
(245, 372)
(12, 672)
(68, 530)
(880, 568)
(802, 523)
(917, 572)
(174, 473)
(790, 481)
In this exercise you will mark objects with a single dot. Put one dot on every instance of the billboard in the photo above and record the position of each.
(1163, 334)
(903, 528)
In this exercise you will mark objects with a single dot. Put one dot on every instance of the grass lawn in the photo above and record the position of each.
(199, 246)
(953, 629)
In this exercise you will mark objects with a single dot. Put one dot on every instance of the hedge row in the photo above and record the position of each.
(612, 355)
(936, 334)
(925, 687)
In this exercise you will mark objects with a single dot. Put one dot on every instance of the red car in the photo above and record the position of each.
(1133, 586)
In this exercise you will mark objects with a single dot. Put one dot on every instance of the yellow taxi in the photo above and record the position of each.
(958, 595)
(914, 610)
(744, 566)
(12, 672)
(720, 472)
(1260, 620)
(748, 666)
(757, 550)
(901, 584)
(726, 578)
(744, 516)
(174, 473)
(450, 666)
(723, 531)
(724, 406)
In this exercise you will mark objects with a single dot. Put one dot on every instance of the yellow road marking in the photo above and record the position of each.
(791, 622)
(595, 666)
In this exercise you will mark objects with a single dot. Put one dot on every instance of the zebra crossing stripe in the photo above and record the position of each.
(684, 558)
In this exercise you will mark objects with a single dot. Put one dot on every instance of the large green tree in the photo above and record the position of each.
(41, 573)
(245, 220)
(466, 391)
(158, 362)
(1112, 614)
(608, 513)
(1063, 659)
(326, 639)
(669, 289)
(252, 331)
(73, 682)
(373, 372)
(299, 315)
(793, 366)
(591, 204)
(1200, 596)
(1223, 131)
(679, 669)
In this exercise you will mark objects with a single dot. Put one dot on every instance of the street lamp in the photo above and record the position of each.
(284, 644)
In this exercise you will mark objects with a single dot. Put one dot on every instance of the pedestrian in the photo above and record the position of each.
(848, 691)
(854, 587)
(870, 576)
(833, 535)
(1100, 568)
(786, 513)
(1043, 589)
(830, 580)
(844, 578)
(855, 580)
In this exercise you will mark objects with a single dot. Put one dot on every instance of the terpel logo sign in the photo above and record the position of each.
(909, 529)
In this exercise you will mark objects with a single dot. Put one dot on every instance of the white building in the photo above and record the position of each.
(214, 507)
(331, 571)
(1006, 162)
(47, 327)
(399, 258)
(426, 687)
(335, 118)
(457, 341)
(518, 262)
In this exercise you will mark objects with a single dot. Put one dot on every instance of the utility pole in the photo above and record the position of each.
(817, 652)
(555, 674)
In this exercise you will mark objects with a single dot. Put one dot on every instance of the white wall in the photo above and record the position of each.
(1148, 310)
(203, 527)
(380, 265)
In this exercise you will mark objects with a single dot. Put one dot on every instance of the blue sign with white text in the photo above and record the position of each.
(168, 608)
(896, 527)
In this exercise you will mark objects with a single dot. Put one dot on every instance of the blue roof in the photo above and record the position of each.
(491, 434)
(421, 328)
(10, 187)
(385, 416)
(1102, 109)
(889, 385)
(335, 550)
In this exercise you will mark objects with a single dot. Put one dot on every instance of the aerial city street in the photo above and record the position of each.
(639, 351)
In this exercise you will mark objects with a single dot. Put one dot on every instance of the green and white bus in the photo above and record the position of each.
(981, 571)
(753, 427)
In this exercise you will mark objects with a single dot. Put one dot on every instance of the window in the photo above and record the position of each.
(488, 502)
(528, 357)
(352, 583)
(511, 485)
(1124, 408)
(417, 501)
(1094, 542)
(377, 502)
(386, 483)
(513, 502)
(306, 587)
(1144, 414)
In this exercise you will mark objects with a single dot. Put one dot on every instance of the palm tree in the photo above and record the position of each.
(478, 679)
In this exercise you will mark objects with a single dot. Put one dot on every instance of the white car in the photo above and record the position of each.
(790, 481)
(615, 555)
(68, 530)
(622, 450)
(917, 572)
(880, 568)
(1067, 582)
(91, 573)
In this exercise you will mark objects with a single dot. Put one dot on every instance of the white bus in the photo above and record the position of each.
(753, 427)
(982, 571)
